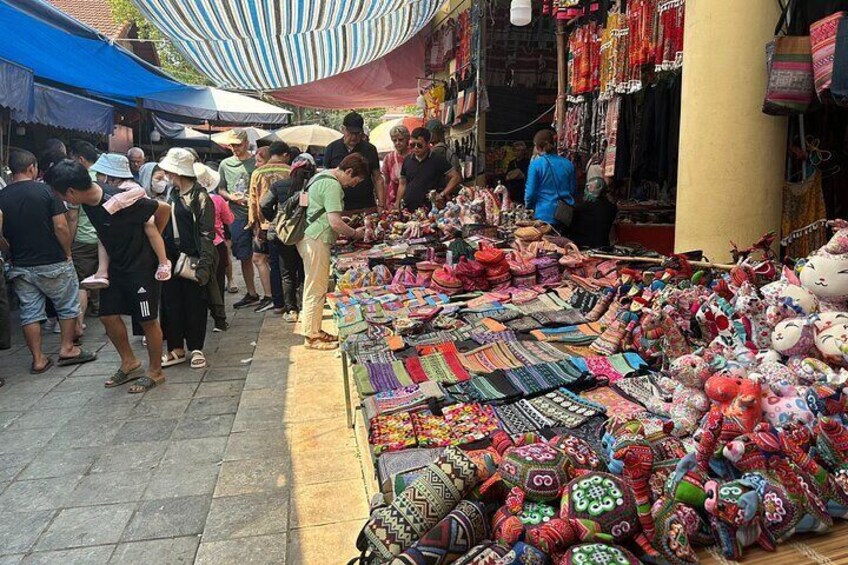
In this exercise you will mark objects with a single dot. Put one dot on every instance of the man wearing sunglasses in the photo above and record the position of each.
(423, 171)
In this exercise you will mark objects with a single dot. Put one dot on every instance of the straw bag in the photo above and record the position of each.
(791, 86)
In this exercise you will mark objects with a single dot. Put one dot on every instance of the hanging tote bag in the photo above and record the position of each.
(823, 45)
(791, 88)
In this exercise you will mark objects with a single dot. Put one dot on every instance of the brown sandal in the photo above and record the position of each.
(320, 345)
(325, 337)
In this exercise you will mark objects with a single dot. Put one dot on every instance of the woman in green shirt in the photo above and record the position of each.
(324, 217)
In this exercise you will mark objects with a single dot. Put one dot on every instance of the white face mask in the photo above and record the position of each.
(159, 186)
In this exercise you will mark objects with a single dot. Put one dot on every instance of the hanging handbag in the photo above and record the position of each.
(823, 45)
(791, 87)
(186, 265)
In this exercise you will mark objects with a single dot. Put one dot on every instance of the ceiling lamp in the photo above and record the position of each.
(520, 12)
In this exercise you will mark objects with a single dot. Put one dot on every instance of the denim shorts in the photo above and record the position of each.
(34, 285)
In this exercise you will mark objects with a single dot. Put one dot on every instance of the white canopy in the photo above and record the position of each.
(216, 105)
(307, 136)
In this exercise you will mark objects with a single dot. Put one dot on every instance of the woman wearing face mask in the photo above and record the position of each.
(323, 225)
(191, 232)
(152, 180)
(209, 179)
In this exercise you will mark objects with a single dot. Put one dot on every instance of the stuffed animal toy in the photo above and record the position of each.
(737, 399)
(760, 453)
(793, 337)
(787, 300)
(684, 388)
(832, 344)
(596, 554)
(738, 516)
(536, 473)
(751, 310)
(795, 441)
(823, 273)
(784, 403)
(832, 448)
(599, 507)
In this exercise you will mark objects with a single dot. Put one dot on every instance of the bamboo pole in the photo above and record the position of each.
(660, 260)
(562, 78)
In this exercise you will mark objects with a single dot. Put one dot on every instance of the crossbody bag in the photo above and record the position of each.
(564, 213)
(186, 265)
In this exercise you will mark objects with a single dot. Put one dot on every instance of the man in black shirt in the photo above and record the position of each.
(361, 196)
(516, 172)
(133, 289)
(423, 171)
(37, 240)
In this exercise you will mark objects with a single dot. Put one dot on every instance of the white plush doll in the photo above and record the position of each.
(793, 337)
(832, 344)
(825, 272)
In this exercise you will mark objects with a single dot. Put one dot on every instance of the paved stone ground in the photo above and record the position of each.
(247, 463)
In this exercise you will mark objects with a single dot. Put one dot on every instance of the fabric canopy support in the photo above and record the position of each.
(215, 105)
(388, 81)
(16, 87)
(57, 108)
(64, 52)
(273, 44)
(60, 50)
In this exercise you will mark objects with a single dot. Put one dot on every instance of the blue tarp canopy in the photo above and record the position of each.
(64, 52)
(54, 107)
(61, 50)
(16, 90)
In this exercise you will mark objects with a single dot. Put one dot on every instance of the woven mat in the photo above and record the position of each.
(826, 549)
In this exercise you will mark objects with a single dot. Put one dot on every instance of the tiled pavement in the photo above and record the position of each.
(247, 462)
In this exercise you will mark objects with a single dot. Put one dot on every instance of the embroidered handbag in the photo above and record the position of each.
(472, 274)
(547, 268)
(404, 276)
(523, 271)
(489, 254)
(791, 86)
(425, 269)
(823, 45)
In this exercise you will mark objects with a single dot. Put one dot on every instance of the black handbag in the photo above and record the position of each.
(564, 213)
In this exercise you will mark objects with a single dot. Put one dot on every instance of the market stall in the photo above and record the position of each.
(521, 397)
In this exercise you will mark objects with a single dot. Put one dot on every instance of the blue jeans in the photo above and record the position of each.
(34, 285)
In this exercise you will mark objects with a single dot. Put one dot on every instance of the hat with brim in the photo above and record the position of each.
(235, 136)
(113, 165)
(179, 162)
(207, 177)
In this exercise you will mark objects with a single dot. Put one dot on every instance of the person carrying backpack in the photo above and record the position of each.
(321, 223)
(286, 263)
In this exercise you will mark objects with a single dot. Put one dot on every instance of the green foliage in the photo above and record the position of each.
(172, 60)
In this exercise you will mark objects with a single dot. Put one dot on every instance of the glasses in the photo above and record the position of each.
(418, 145)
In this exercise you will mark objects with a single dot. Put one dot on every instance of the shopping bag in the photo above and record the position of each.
(789, 62)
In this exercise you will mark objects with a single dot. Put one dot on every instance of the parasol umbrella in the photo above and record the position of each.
(380, 135)
(253, 135)
(303, 137)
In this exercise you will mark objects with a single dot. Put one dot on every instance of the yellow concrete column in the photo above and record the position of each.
(731, 154)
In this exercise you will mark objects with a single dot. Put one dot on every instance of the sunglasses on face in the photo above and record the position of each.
(418, 145)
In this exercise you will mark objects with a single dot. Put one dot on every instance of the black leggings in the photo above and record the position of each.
(184, 314)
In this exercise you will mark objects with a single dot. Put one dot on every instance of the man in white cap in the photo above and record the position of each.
(236, 172)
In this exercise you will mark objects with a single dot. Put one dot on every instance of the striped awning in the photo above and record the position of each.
(272, 44)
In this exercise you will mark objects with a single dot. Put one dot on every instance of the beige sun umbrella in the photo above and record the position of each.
(253, 135)
(303, 137)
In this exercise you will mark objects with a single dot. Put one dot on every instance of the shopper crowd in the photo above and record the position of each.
(115, 235)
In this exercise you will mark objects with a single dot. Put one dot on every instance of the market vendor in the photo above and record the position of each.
(516, 172)
(550, 179)
(424, 171)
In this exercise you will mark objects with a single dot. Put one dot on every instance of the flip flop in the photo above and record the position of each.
(143, 384)
(121, 378)
(94, 283)
(171, 359)
(83, 357)
(34, 371)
